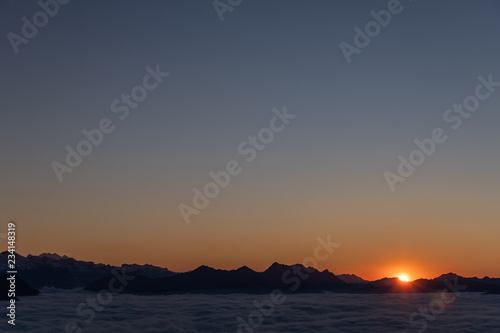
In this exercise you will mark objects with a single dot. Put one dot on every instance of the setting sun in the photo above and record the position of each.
(404, 278)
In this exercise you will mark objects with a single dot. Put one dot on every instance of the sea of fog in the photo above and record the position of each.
(55, 311)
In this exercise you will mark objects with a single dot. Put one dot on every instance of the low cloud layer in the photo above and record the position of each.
(328, 312)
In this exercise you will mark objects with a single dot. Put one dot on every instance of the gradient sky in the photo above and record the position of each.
(323, 175)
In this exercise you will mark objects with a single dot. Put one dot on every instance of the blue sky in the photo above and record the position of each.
(225, 78)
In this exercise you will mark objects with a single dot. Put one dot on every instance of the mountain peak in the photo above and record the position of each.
(204, 269)
(447, 276)
(5, 253)
(278, 266)
(352, 279)
(54, 256)
(245, 269)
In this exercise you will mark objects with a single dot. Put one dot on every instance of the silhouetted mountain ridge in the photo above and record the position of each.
(53, 270)
(291, 278)
(352, 279)
(210, 280)
(449, 282)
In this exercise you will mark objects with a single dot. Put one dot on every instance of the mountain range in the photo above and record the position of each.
(53, 270)
(295, 278)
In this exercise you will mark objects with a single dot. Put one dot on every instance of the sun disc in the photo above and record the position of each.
(403, 278)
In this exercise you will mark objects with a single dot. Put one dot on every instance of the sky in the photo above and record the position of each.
(322, 174)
